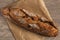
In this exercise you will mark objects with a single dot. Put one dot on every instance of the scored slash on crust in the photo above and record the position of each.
(31, 22)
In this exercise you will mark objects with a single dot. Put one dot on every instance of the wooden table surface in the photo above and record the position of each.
(54, 9)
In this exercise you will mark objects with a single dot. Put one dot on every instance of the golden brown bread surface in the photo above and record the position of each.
(32, 23)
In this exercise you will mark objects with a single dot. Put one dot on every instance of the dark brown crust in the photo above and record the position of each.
(21, 18)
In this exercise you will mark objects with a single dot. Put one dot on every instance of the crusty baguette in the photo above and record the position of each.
(32, 23)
